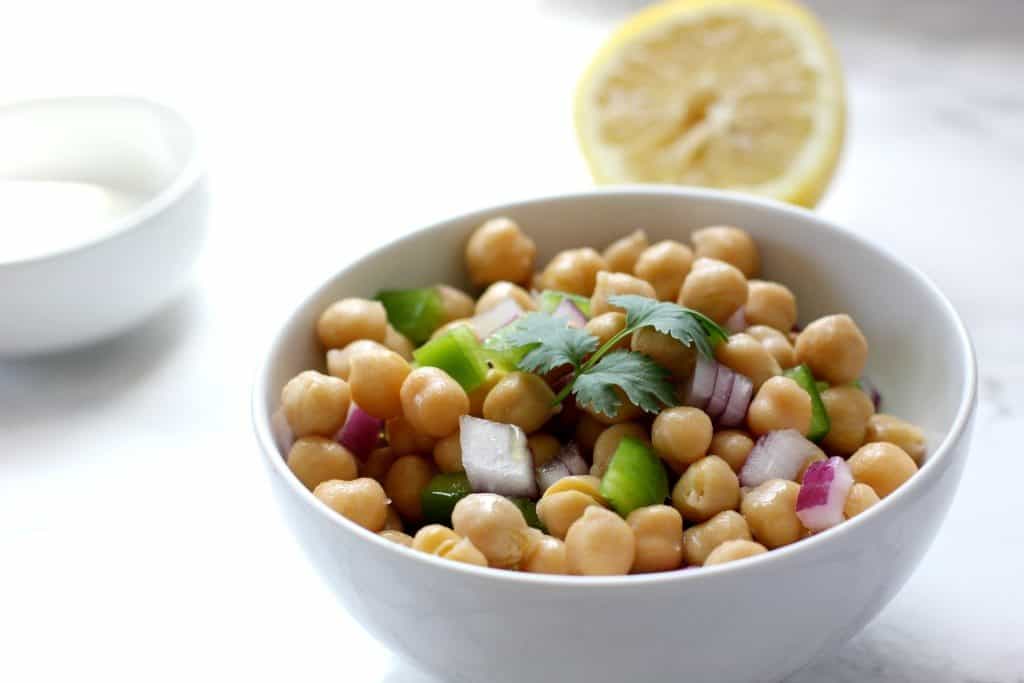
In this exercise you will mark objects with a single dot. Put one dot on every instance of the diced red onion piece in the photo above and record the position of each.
(361, 432)
(496, 458)
(871, 390)
(722, 391)
(570, 456)
(568, 309)
(701, 383)
(737, 322)
(504, 313)
(282, 432)
(777, 455)
(550, 472)
(739, 400)
(823, 494)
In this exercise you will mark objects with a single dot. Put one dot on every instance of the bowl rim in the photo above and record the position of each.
(928, 471)
(184, 180)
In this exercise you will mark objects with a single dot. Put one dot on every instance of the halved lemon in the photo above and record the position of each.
(736, 94)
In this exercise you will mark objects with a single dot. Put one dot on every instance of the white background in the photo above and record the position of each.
(138, 539)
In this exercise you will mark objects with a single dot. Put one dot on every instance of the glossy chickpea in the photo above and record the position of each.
(583, 483)
(621, 255)
(544, 448)
(600, 543)
(559, 510)
(707, 487)
(909, 437)
(315, 459)
(315, 404)
(732, 446)
(448, 454)
(495, 526)
(849, 410)
(432, 401)
(611, 284)
(376, 378)
(730, 551)
(606, 326)
(714, 288)
(658, 530)
(464, 551)
(747, 356)
(456, 303)
(403, 438)
(499, 250)
(399, 537)
(573, 271)
(667, 352)
(728, 244)
(479, 395)
(627, 411)
(780, 403)
(665, 265)
(771, 304)
(362, 501)
(545, 555)
(859, 499)
(377, 464)
(435, 539)
(588, 429)
(770, 511)
(608, 443)
(834, 348)
(522, 399)
(399, 343)
(681, 436)
(351, 319)
(776, 343)
(500, 291)
(700, 540)
(404, 483)
(339, 361)
(393, 521)
(882, 466)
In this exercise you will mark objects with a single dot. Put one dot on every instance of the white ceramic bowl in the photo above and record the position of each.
(89, 291)
(754, 620)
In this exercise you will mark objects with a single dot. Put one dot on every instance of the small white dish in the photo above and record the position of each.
(113, 206)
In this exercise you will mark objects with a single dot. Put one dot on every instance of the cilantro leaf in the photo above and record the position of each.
(689, 327)
(551, 342)
(644, 382)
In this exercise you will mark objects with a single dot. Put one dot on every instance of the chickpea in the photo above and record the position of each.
(479, 395)
(431, 537)
(610, 284)
(376, 379)
(393, 522)
(909, 437)
(834, 348)
(500, 291)
(315, 459)
(588, 429)
(546, 556)
(398, 342)
(622, 254)
(449, 326)
(714, 288)
(665, 265)
(398, 537)
(747, 356)
(432, 401)
(315, 404)
(771, 304)
(544, 448)
(522, 399)
(377, 464)
(606, 326)
(848, 410)
(339, 361)
(728, 244)
(498, 250)
(600, 543)
(583, 483)
(667, 352)
(776, 343)
(361, 500)
(770, 511)
(405, 440)
(700, 540)
(574, 271)
(681, 436)
(495, 526)
(559, 510)
(730, 551)
(448, 454)
(658, 530)
(456, 303)
(882, 466)
(707, 487)
(627, 411)
(859, 499)
(348, 320)
(780, 403)
(405, 481)
(609, 441)
(732, 446)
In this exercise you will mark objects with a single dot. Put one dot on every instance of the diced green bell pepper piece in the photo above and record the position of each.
(416, 313)
(820, 424)
(441, 495)
(458, 353)
(549, 299)
(529, 510)
(635, 477)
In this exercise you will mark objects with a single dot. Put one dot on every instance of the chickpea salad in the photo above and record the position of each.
(647, 408)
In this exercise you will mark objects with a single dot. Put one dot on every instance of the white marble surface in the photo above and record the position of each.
(139, 540)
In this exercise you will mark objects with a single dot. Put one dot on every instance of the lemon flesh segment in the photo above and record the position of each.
(735, 94)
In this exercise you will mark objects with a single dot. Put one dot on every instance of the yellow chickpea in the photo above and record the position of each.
(584, 483)
(500, 291)
(771, 304)
(770, 511)
(600, 543)
(545, 556)
(403, 438)
(574, 271)
(658, 530)
(848, 410)
(351, 319)
(714, 288)
(498, 250)
(315, 404)
(622, 254)
(700, 540)
(834, 348)
(377, 464)
(448, 454)
(606, 326)
(667, 352)
(399, 343)
(431, 537)
(456, 303)
(432, 401)
(522, 399)
(393, 521)
(909, 437)
(627, 411)
(859, 499)
(780, 403)
(728, 244)
(747, 356)
(559, 510)
(882, 466)
(464, 551)
(588, 429)
(681, 436)
(610, 284)
(362, 501)
(665, 265)
(339, 361)
(495, 526)
(404, 483)
(479, 395)
(315, 460)
(732, 446)
(375, 379)
(776, 343)
(399, 537)
(608, 443)
(730, 551)
(544, 448)
(707, 487)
